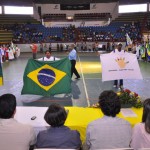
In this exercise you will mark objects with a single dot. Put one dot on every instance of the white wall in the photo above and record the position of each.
(115, 11)
(0, 9)
(36, 14)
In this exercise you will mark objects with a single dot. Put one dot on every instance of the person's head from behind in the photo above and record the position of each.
(7, 106)
(146, 115)
(109, 103)
(119, 46)
(72, 46)
(56, 115)
(47, 54)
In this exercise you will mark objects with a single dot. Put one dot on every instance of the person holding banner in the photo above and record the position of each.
(48, 57)
(119, 65)
(119, 49)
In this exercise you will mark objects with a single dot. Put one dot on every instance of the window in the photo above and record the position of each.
(133, 8)
(18, 10)
(0, 9)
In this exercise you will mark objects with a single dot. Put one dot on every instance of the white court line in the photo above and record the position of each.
(86, 94)
(92, 78)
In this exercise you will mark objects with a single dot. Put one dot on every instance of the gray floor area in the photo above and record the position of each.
(84, 91)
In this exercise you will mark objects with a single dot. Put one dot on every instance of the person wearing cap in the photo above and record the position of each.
(118, 49)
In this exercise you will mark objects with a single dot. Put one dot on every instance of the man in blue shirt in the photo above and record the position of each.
(72, 58)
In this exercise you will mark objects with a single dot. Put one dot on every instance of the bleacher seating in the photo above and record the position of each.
(19, 19)
(140, 17)
(5, 36)
(130, 17)
(10, 25)
(49, 17)
(25, 31)
(37, 33)
(92, 16)
(114, 32)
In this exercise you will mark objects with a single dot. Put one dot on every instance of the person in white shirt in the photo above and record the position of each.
(13, 135)
(119, 49)
(48, 57)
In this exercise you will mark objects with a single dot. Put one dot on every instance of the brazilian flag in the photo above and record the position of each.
(148, 50)
(47, 77)
(142, 51)
(1, 75)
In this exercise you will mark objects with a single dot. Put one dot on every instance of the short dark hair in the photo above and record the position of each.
(56, 115)
(7, 106)
(47, 51)
(146, 115)
(109, 103)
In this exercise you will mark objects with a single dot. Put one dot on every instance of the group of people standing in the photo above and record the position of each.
(9, 52)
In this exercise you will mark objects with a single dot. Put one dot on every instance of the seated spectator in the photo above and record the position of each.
(13, 135)
(141, 131)
(110, 131)
(58, 136)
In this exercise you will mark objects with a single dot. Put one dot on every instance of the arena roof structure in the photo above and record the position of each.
(30, 2)
(89, 1)
(74, 1)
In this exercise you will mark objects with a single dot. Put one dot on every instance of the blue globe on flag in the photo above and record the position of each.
(46, 77)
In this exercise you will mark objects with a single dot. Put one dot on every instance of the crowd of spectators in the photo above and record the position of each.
(69, 33)
(110, 33)
(28, 33)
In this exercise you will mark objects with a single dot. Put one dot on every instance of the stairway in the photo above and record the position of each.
(5, 36)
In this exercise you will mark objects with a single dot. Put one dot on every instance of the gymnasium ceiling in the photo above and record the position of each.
(73, 1)
(30, 2)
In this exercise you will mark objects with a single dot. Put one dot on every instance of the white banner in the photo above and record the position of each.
(76, 24)
(120, 65)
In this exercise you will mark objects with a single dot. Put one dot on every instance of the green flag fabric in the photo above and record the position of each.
(148, 50)
(142, 51)
(47, 77)
(1, 75)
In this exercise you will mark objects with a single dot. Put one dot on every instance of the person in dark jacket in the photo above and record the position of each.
(58, 135)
